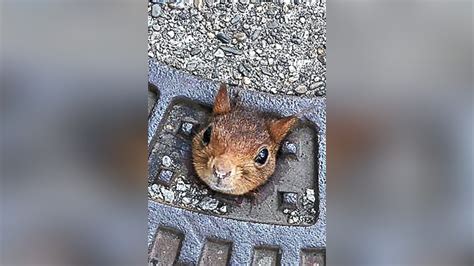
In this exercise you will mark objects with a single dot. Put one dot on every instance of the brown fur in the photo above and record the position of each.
(237, 137)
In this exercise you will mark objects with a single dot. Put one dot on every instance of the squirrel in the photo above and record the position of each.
(235, 153)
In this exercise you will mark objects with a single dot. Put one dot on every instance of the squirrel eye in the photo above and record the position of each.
(262, 157)
(206, 137)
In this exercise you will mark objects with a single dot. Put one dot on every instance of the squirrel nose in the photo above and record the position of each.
(219, 173)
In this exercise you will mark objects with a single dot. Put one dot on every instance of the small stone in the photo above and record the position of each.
(245, 70)
(302, 20)
(195, 51)
(223, 209)
(208, 204)
(320, 51)
(223, 37)
(174, 4)
(292, 69)
(231, 50)
(255, 34)
(271, 61)
(286, 211)
(246, 80)
(237, 75)
(305, 34)
(240, 36)
(186, 200)
(166, 161)
(219, 53)
(211, 35)
(278, 46)
(293, 78)
(266, 71)
(199, 4)
(168, 195)
(181, 186)
(322, 59)
(272, 11)
(310, 195)
(155, 10)
(191, 66)
(293, 219)
(235, 19)
(155, 188)
(259, 51)
(272, 25)
(316, 85)
(295, 40)
(301, 89)
(170, 33)
(251, 53)
(289, 148)
(187, 128)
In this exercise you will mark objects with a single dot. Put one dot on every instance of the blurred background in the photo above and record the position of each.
(400, 121)
(74, 112)
(73, 86)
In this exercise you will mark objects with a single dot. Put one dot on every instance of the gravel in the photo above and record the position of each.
(155, 10)
(269, 47)
(305, 213)
(166, 161)
(301, 89)
(223, 37)
(188, 195)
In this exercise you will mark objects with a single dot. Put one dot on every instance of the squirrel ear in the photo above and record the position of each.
(222, 102)
(280, 128)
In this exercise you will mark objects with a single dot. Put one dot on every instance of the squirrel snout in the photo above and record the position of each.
(222, 167)
(220, 173)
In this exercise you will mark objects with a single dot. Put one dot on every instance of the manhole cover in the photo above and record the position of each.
(283, 223)
(288, 198)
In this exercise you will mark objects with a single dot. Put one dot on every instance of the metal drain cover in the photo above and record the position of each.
(193, 225)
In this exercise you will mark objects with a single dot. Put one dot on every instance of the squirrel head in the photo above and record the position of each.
(236, 151)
